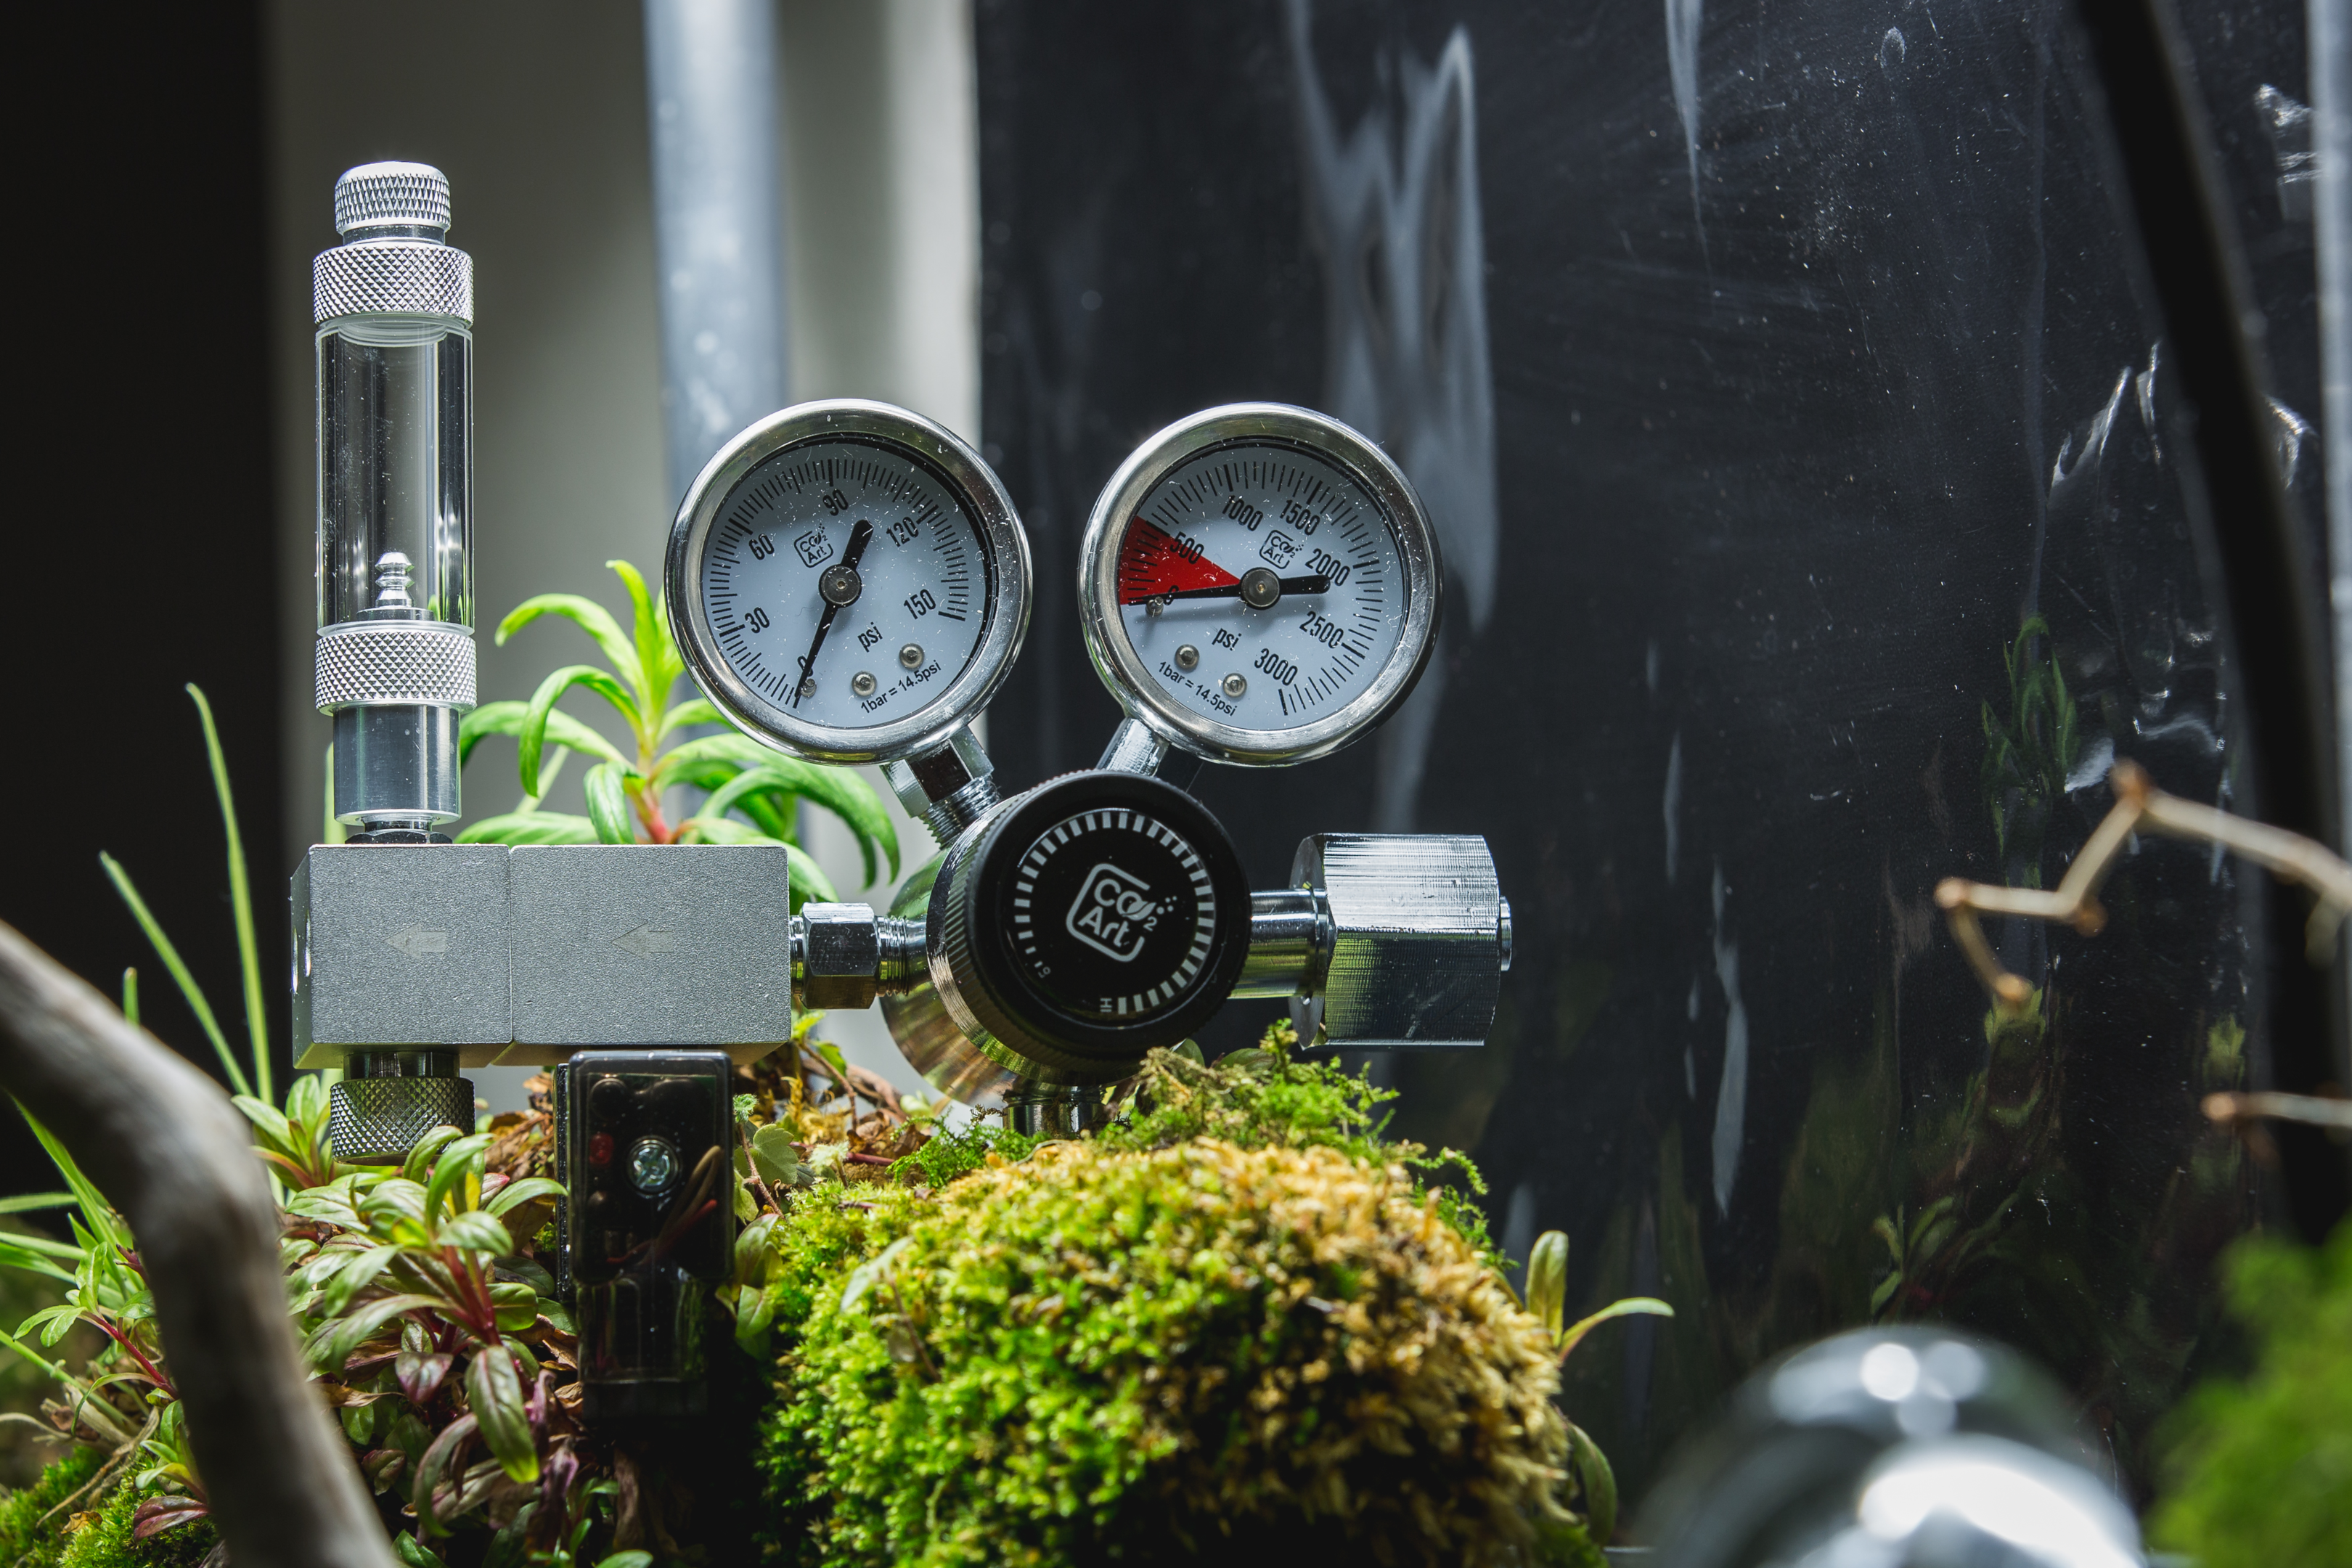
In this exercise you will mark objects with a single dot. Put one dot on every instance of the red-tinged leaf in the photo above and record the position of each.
(382, 1468)
(433, 1465)
(157, 1515)
(421, 1376)
(494, 1389)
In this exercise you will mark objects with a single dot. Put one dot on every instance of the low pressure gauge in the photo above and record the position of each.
(847, 582)
(1259, 585)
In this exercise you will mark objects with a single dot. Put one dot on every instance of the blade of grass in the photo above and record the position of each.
(240, 903)
(130, 996)
(171, 957)
(26, 1202)
(94, 1211)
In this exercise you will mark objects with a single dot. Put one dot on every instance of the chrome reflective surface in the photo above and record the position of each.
(1414, 948)
(1889, 1448)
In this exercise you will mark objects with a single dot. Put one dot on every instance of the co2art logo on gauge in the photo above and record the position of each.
(1113, 912)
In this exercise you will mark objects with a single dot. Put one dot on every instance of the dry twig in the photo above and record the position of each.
(2141, 807)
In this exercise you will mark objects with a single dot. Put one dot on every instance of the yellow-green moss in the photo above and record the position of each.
(1138, 1355)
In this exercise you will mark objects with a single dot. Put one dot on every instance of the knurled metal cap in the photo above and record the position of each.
(376, 1120)
(392, 195)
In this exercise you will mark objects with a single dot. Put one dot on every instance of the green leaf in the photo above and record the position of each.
(514, 1194)
(433, 1465)
(269, 1121)
(773, 1156)
(331, 1343)
(631, 1559)
(306, 1099)
(1547, 1281)
(1647, 1306)
(654, 648)
(424, 1152)
(476, 1230)
(838, 790)
(608, 803)
(416, 1554)
(1597, 1481)
(516, 1305)
(693, 711)
(96, 1213)
(532, 827)
(810, 884)
(355, 1275)
(495, 1393)
(179, 971)
(14, 1256)
(543, 703)
(240, 902)
(26, 1202)
(586, 614)
(458, 1160)
(508, 718)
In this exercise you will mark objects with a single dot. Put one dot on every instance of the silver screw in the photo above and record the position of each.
(1234, 685)
(1188, 656)
(862, 684)
(808, 687)
(392, 581)
(911, 655)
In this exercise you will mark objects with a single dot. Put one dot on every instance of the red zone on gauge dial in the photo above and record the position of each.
(1153, 562)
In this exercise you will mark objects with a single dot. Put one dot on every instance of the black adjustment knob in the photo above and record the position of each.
(1094, 918)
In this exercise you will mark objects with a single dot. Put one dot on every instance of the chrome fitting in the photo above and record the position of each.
(951, 786)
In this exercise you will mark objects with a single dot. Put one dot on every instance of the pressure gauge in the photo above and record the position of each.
(1259, 585)
(847, 582)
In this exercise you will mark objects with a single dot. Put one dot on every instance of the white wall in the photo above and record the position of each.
(536, 111)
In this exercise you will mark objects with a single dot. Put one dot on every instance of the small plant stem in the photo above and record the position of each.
(131, 997)
(241, 900)
(179, 971)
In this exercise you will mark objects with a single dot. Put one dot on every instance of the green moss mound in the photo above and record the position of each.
(95, 1533)
(2261, 1471)
(1135, 1355)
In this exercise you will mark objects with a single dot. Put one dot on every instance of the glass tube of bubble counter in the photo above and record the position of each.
(393, 310)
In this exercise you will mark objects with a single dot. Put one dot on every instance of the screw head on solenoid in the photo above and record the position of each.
(1093, 917)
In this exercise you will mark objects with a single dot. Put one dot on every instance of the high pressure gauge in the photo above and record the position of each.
(847, 582)
(1259, 585)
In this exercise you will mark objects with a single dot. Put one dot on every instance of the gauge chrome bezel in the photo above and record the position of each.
(1003, 547)
(1130, 679)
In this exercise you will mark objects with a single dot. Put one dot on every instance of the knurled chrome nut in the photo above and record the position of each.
(840, 957)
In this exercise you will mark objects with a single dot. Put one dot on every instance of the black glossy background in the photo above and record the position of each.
(1795, 420)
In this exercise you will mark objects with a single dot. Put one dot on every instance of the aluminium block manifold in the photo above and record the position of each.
(412, 961)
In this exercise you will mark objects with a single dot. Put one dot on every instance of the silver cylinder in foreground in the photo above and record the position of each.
(393, 306)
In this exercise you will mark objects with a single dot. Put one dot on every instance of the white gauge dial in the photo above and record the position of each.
(847, 581)
(843, 581)
(1260, 585)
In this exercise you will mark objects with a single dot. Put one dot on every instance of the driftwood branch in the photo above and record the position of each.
(167, 1149)
(2141, 807)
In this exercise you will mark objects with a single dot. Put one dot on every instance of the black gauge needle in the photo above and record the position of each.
(1316, 584)
(858, 538)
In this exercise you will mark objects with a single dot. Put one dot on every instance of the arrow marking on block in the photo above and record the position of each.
(645, 941)
(416, 939)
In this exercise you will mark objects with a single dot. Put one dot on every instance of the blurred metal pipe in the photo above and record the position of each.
(711, 91)
(2330, 50)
